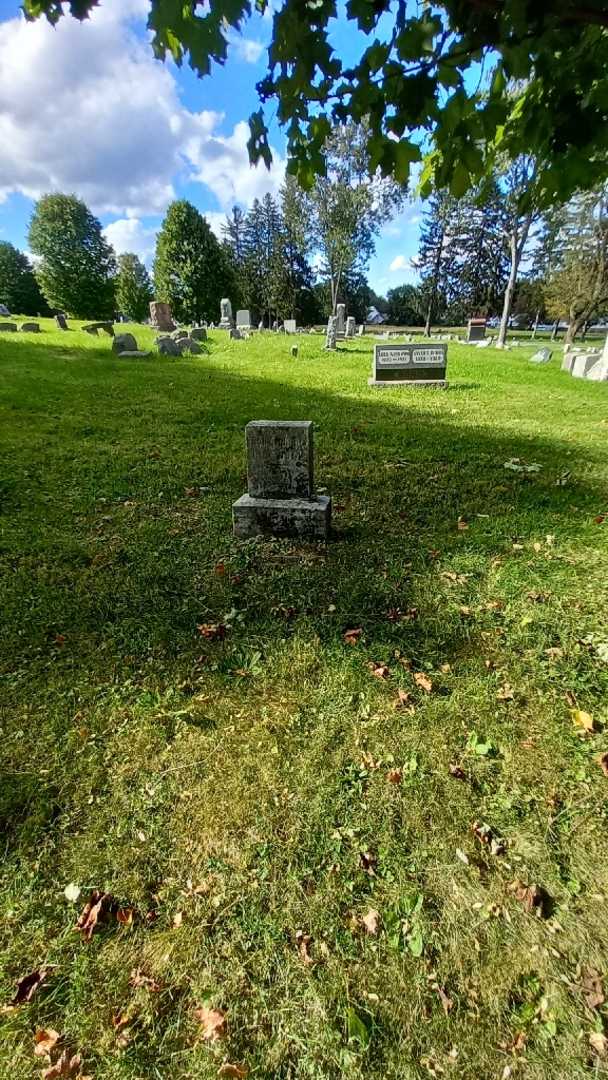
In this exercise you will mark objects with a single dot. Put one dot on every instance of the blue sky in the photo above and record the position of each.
(87, 108)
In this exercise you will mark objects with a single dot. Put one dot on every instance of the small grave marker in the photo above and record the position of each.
(226, 320)
(280, 499)
(476, 329)
(243, 319)
(289, 326)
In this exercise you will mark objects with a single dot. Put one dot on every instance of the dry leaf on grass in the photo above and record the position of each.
(457, 772)
(599, 1043)
(583, 720)
(67, 1066)
(404, 700)
(45, 1041)
(603, 763)
(533, 897)
(213, 1023)
(124, 916)
(238, 1072)
(368, 862)
(485, 834)
(423, 682)
(304, 941)
(351, 637)
(505, 693)
(592, 987)
(394, 776)
(381, 671)
(462, 524)
(212, 631)
(177, 919)
(95, 909)
(370, 922)
(138, 979)
(27, 987)
(446, 1002)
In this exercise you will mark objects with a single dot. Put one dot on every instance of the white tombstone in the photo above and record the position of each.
(583, 362)
(226, 322)
(330, 338)
(243, 319)
(350, 326)
(289, 326)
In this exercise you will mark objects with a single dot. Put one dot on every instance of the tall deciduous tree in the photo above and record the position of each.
(478, 254)
(521, 212)
(133, 287)
(77, 265)
(19, 289)
(191, 271)
(411, 67)
(407, 305)
(349, 207)
(578, 288)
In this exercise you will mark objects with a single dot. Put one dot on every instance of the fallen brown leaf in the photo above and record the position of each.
(368, 862)
(517, 1044)
(394, 776)
(446, 1002)
(381, 671)
(486, 835)
(139, 979)
(369, 761)
(177, 919)
(533, 897)
(423, 682)
(603, 763)
(462, 524)
(505, 693)
(212, 631)
(351, 637)
(125, 916)
(404, 699)
(27, 987)
(592, 987)
(238, 1072)
(303, 942)
(599, 1043)
(45, 1041)
(213, 1022)
(600, 519)
(457, 772)
(95, 908)
(370, 922)
(67, 1065)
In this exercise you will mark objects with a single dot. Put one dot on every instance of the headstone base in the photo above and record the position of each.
(433, 384)
(305, 519)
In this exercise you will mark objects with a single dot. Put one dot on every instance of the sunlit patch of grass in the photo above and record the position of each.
(250, 799)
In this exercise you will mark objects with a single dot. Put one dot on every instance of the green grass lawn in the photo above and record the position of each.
(258, 803)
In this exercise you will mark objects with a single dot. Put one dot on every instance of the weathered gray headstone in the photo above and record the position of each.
(30, 328)
(189, 345)
(476, 329)
(124, 343)
(289, 326)
(177, 335)
(8, 327)
(341, 317)
(280, 499)
(260, 325)
(236, 335)
(168, 347)
(568, 361)
(331, 336)
(243, 319)
(198, 333)
(361, 330)
(160, 315)
(543, 356)
(294, 351)
(410, 365)
(61, 322)
(350, 326)
(4, 312)
(226, 320)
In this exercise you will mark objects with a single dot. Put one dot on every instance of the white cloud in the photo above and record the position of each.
(247, 49)
(130, 234)
(399, 263)
(86, 108)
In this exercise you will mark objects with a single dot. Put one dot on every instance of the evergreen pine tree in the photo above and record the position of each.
(19, 289)
(433, 260)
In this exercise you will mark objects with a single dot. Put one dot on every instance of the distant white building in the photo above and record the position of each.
(375, 317)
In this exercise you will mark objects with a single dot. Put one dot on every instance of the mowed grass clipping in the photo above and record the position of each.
(347, 802)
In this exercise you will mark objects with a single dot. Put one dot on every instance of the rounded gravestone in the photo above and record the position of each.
(124, 343)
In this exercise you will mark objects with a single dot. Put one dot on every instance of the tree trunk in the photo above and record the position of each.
(536, 322)
(554, 332)
(517, 244)
(573, 328)
(427, 325)
(584, 330)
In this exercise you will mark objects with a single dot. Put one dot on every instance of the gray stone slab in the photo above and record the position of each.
(279, 459)
(350, 326)
(476, 329)
(198, 333)
(413, 363)
(243, 319)
(568, 361)
(583, 362)
(341, 317)
(160, 315)
(135, 353)
(8, 327)
(543, 356)
(30, 328)
(289, 326)
(124, 343)
(304, 519)
(226, 320)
